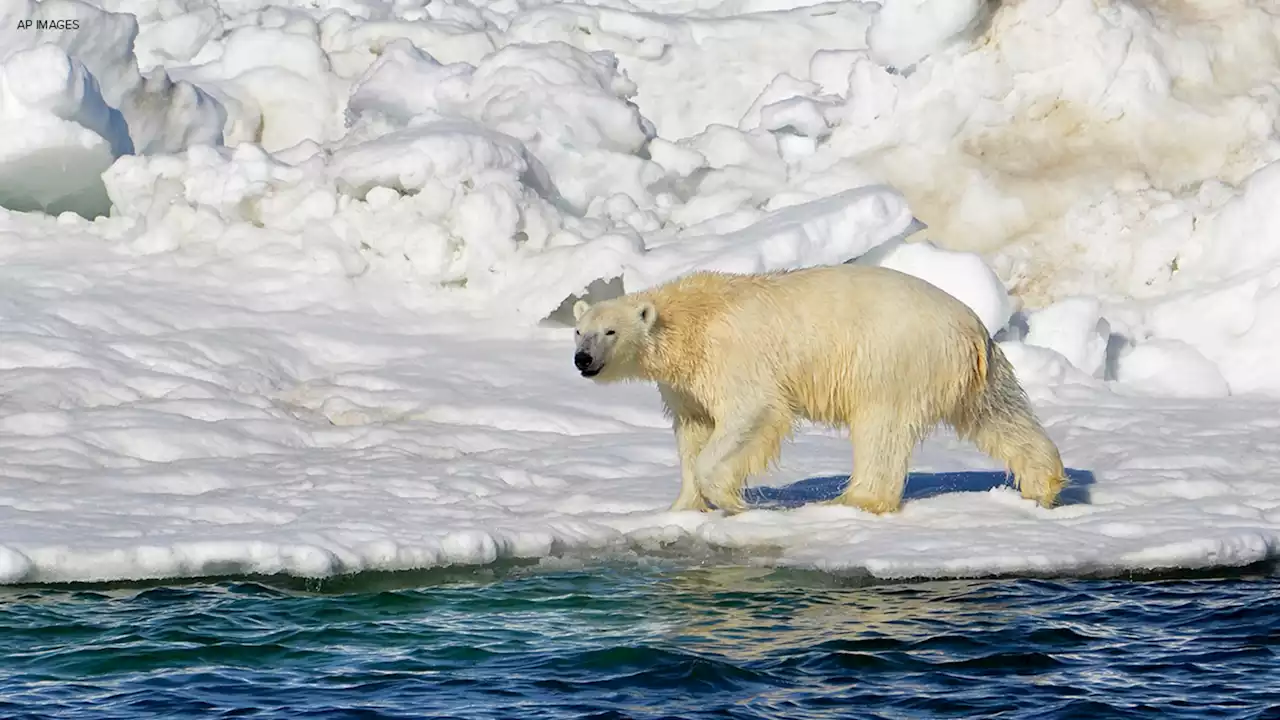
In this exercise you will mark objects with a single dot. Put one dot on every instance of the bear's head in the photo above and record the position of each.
(610, 336)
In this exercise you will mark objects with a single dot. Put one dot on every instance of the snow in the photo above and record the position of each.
(53, 108)
(73, 100)
(1170, 368)
(283, 287)
(1075, 328)
(963, 275)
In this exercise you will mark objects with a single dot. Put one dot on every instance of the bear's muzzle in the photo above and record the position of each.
(583, 361)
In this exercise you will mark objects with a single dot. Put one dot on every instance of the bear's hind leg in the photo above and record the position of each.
(882, 447)
(1019, 442)
(1001, 422)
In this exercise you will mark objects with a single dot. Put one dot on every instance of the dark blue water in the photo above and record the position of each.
(645, 640)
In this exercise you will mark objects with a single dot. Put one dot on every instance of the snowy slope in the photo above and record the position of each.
(302, 329)
(162, 420)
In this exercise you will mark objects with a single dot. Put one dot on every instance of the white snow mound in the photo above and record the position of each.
(306, 338)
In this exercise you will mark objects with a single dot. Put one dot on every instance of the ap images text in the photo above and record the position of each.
(49, 24)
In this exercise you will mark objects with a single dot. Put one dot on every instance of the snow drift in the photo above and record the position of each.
(275, 277)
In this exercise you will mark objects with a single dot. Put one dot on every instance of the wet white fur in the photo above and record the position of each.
(739, 359)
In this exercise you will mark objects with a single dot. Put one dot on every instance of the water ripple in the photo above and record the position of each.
(650, 641)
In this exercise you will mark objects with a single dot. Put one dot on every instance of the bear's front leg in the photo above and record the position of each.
(719, 486)
(739, 447)
(692, 433)
(713, 471)
(691, 438)
(689, 499)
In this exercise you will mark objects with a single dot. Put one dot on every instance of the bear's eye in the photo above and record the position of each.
(577, 333)
(609, 332)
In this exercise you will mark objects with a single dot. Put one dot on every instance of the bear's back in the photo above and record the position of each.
(820, 332)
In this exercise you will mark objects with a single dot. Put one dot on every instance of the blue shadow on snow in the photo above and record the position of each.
(919, 486)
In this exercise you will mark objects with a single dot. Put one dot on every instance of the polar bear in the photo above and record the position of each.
(739, 359)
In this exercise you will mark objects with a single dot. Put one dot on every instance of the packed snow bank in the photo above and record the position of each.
(906, 31)
(278, 84)
(171, 416)
(829, 231)
(963, 275)
(72, 101)
(1067, 125)
(692, 72)
(568, 107)
(1235, 324)
(517, 182)
(1088, 150)
(1170, 368)
(1220, 299)
(269, 359)
(46, 79)
(1207, 328)
(58, 134)
(161, 115)
(1075, 328)
(467, 215)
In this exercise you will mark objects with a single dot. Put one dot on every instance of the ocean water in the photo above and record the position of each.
(644, 639)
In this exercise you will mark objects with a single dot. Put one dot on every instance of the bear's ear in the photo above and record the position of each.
(648, 314)
(580, 308)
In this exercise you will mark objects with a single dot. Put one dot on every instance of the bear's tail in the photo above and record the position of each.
(999, 419)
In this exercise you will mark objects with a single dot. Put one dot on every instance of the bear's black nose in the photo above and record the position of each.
(581, 360)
